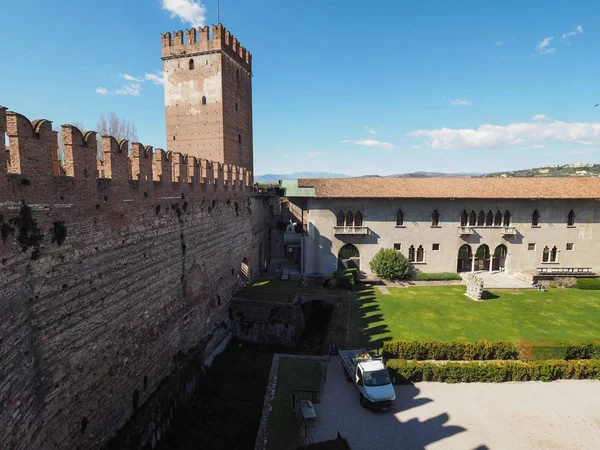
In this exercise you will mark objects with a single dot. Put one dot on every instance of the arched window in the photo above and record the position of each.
(349, 219)
(420, 254)
(411, 253)
(546, 254)
(481, 219)
(553, 254)
(464, 219)
(498, 219)
(506, 218)
(571, 218)
(348, 251)
(358, 220)
(191, 65)
(203, 100)
(489, 219)
(340, 219)
(472, 219)
(435, 219)
(535, 218)
(400, 218)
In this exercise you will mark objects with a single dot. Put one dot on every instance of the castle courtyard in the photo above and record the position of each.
(480, 416)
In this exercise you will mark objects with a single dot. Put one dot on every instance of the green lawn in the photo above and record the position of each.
(284, 427)
(445, 313)
(271, 290)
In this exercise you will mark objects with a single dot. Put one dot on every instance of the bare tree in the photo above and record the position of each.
(112, 125)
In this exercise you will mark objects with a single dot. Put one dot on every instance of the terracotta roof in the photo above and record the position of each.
(500, 188)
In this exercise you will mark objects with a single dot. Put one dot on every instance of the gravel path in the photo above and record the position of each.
(533, 415)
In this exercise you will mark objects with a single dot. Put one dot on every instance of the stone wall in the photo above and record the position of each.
(109, 270)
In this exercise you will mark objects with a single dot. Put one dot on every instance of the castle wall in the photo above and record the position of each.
(322, 245)
(104, 280)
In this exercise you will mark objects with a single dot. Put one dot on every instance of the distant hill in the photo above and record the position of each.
(425, 175)
(567, 170)
(274, 178)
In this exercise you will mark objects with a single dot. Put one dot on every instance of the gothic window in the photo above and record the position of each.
(553, 254)
(489, 219)
(400, 218)
(340, 219)
(481, 219)
(507, 218)
(546, 254)
(571, 218)
(435, 219)
(191, 64)
(472, 219)
(411, 253)
(358, 219)
(420, 254)
(349, 219)
(535, 218)
(464, 219)
(498, 219)
(203, 100)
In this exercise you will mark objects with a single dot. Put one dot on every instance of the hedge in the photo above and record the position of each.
(441, 276)
(589, 284)
(402, 371)
(345, 278)
(545, 349)
(454, 350)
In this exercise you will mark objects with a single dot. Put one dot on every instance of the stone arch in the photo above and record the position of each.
(349, 257)
(499, 259)
(465, 259)
(482, 258)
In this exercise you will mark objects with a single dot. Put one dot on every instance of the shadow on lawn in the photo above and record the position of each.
(368, 320)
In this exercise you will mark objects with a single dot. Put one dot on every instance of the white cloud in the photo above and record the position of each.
(460, 102)
(132, 78)
(498, 43)
(543, 48)
(577, 30)
(370, 130)
(313, 154)
(493, 136)
(286, 156)
(537, 146)
(129, 89)
(539, 117)
(101, 91)
(370, 143)
(581, 151)
(416, 147)
(156, 79)
(191, 12)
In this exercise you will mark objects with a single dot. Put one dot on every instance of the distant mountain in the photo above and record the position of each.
(425, 175)
(274, 178)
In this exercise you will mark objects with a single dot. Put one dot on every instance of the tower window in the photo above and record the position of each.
(571, 219)
(435, 219)
(400, 219)
(535, 218)
(236, 106)
(239, 138)
(238, 74)
(203, 100)
(191, 64)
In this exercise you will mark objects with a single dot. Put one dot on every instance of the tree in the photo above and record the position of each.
(389, 264)
(117, 127)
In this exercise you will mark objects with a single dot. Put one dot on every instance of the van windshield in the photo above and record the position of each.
(377, 378)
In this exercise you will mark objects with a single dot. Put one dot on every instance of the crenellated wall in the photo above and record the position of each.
(108, 270)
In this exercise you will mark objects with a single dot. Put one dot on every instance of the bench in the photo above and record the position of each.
(307, 410)
(565, 271)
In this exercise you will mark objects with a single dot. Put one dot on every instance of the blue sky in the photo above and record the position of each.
(353, 87)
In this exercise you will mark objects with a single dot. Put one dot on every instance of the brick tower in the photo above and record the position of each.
(208, 95)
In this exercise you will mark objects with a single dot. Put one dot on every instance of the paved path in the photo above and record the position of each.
(383, 290)
(499, 280)
(533, 415)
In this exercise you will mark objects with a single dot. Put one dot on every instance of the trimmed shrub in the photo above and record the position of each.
(454, 350)
(389, 264)
(567, 282)
(403, 371)
(344, 279)
(546, 349)
(441, 276)
(589, 284)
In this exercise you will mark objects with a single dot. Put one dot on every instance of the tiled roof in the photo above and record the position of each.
(500, 188)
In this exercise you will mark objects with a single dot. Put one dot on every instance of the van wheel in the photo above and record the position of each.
(363, 401)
